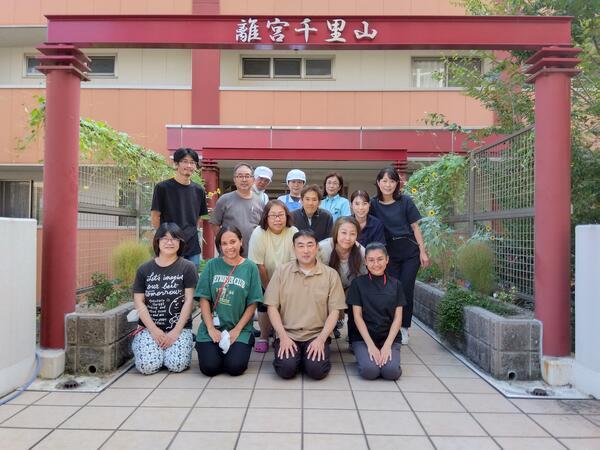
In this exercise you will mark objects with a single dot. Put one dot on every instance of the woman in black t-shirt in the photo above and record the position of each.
(403, 237)
(376, 301)
(163, 294)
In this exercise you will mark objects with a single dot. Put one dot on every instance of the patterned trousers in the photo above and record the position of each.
(149, 357)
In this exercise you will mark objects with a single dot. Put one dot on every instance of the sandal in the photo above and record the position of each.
(261, 346)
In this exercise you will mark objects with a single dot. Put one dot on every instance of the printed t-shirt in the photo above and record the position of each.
(337, 206)
(243, 288)
(164, 290)
(183, 205)
(243, 213)
(305, 300)
(379, 301)
(325, 250)
(397, 217)
(270, 249)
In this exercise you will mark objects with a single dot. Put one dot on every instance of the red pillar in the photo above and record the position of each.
(64, 67)
(210, 175)
(552, 70)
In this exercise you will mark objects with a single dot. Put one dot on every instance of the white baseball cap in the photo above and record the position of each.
(295, 174)
(263, 172)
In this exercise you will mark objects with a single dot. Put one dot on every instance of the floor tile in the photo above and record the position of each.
(99, 417)
(254, 366)
(567, 426)
(331, 421)
(186, 440)
(268, 420)
(452, 371)
(494, 403)
(584, 406)
(328, 399)
(269, 441)
(276, 398)
(330, 382)
(539, 406)
(334, 442)
(146, 440)
(172, 398)
(440, 358)
(156, 419)
(213, 419)
(360, 384)
(516, 443)
(415, 370)
(185, 380)
(7, 411)
(391, 422)
(20, 438)
(468, 386)
(137, 380)
(450, 424)
(464, 443)
(66, 399)
(227, 398)
(437, 402)
(514, 425)
(224, 381)
(273, 381)
(121, 397)
(410, 358)
(40, 416)
(581, 444)
(595, 419)
(381, 401)
(74, 440)
(399, 442)
(420, 384)
(27, 397)
(351, 369)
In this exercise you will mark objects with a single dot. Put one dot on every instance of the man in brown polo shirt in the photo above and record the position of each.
(304, 298)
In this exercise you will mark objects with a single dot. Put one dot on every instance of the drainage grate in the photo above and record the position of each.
(68, 384)
(539, 392)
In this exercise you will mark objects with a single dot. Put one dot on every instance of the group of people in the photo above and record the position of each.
(299, 263)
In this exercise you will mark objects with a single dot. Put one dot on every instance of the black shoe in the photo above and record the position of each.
(256, 332)
(336, 333)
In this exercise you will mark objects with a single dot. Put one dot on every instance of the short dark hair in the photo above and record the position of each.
(242, 164)
(391, 173)
(360, 193)
(182, 152)
(307, 232)
(331, 175)
(224, 229)
(314, 188)
(264, 220)
(373, 246)
(175, 232)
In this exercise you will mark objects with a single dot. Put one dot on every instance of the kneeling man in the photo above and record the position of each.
(304, 298)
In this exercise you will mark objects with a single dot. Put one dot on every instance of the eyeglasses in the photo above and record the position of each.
(168, 239)
(276, 216)
(243, 177)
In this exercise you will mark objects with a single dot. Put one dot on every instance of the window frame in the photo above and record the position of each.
(29, 56)
(445, 80)
(301, 76)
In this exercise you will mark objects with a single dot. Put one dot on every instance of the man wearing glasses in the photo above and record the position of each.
(240, 208)
(181, 201)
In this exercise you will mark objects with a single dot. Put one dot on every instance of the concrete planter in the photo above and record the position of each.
(507, 348)
(98, 343)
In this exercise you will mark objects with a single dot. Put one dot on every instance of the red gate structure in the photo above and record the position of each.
(551, 68)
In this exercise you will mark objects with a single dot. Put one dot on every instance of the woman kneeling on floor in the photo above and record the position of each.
(163, 294)
(229, 290)
(376, 300)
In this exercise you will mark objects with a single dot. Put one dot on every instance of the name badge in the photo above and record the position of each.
(216, 321)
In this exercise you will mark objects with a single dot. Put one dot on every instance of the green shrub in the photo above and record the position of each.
(126, 258)
(118, 296)
(475, 262)
(101, 289)
(431, 273)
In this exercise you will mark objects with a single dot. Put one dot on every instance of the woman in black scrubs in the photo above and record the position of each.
(403, 236)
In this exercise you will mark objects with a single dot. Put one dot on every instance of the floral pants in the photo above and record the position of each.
(149, 357)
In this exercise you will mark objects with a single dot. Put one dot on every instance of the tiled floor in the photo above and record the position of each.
(438, 403)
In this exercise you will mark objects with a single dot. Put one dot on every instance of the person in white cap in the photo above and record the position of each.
(262, 178)
(295, 179)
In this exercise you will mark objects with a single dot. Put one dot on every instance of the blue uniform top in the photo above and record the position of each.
(289, 201)
(337, 206)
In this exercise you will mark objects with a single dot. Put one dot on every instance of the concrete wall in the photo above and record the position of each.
(17, 302)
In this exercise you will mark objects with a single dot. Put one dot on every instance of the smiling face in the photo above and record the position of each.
(310, 202)
(295, 187)
(305, 249)
(230, 246)
(276, 219)
(168, 245)
(387, 186)
(243, 179)
(332, 186)
(185, 167)
(360, 207)
(346, 236)
(376, 261)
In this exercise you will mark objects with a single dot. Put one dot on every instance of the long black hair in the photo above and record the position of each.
(391, 173)
(355, 258)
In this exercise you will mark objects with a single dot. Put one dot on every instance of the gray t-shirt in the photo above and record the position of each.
(244, 213)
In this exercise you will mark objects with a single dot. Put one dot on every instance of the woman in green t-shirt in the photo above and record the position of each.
(229, 289)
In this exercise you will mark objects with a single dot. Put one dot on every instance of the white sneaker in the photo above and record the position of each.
(404, 333)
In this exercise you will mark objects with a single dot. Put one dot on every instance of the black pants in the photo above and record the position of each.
(289, 367)
(404, 265)
(212, 361)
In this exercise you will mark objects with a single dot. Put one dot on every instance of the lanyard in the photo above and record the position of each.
(224, 283)
(384, 279)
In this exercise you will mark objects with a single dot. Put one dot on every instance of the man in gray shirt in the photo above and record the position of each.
(240, 208)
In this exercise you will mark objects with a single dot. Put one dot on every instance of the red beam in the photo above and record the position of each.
(313, 154)
(394, 32)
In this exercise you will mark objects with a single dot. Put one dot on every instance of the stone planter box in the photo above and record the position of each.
(508, 348)
(98, 342)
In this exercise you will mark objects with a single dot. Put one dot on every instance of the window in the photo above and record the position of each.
(100, 66)
(15, 199)
(286, 68)
(438, 73)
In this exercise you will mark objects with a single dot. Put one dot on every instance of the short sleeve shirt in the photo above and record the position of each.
(372, 232)
(378, 297)
(325, 250)
(234, 210)
(270, 249)
(305, 300)
(397, 217)
(164, 290)
(183, 205)
(243, 288)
